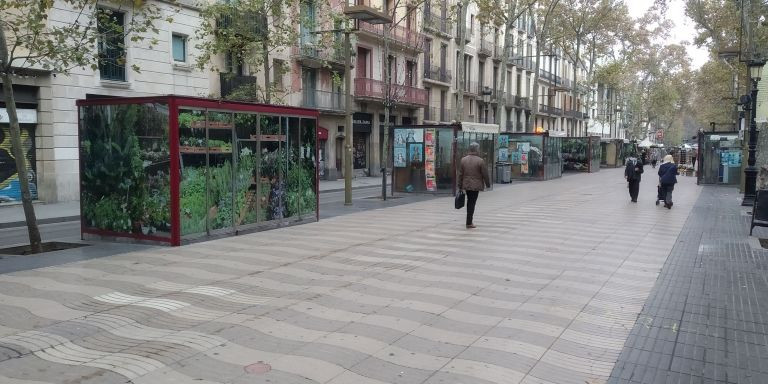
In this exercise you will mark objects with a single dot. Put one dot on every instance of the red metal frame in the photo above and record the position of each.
(174, 103)
(173, 142)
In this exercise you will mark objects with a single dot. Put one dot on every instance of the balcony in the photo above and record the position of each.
(497, 95)
(485, 49)
(498, 52)
(471, 88)
(230, 83)
(248, 22)
(329, 102)
(549, 110)
(401, 94)
(312, 56)
(469, 31)
(436, 74)
(572, 114)
(546, 75)
(522, 102)
(436, 114)
(399, 35)
(437, 24)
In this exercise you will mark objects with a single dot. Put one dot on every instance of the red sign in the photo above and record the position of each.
(322, 133)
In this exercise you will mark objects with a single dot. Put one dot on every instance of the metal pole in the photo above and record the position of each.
(348, 130)
(750, 173)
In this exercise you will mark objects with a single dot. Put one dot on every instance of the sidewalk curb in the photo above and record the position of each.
(353, 188)
(50, 220)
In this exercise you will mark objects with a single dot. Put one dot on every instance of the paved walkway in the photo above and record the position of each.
(706, 320)
(546, 290)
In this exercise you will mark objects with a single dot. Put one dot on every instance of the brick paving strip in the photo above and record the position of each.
(546, 290)
(705, 320)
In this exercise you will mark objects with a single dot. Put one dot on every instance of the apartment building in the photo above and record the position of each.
(46, 101)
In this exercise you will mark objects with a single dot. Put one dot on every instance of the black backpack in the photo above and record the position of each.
(629, 171)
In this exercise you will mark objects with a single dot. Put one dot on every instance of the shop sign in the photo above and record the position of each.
(26, 116)
(479, 128)
(362, 122)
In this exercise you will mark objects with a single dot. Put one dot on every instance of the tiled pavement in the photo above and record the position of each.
(706, 319)
(546, 290)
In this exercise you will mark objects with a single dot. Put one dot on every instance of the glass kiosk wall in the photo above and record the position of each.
(172, 169)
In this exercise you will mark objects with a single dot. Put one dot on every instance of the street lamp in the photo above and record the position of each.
(750, 173)
(369, 15)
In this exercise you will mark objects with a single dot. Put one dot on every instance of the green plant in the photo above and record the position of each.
(187, 118)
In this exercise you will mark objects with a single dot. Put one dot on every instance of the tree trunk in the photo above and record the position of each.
(461, 79)
(535, 107)
(574, 90)
(387, 108)
(267, 85)
(35, 241)
(510, 24)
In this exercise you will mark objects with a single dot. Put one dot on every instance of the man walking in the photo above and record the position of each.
(473, 177)
(632, 173)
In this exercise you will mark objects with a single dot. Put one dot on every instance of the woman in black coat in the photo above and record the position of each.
(668, 178)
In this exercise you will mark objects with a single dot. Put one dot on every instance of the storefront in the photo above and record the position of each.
(581, 154)
(362, 125)
(174, 169)
(10, 187)
(531, 156)
(425, 156)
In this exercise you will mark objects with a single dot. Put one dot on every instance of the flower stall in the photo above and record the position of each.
(581, 154)
(174, 169)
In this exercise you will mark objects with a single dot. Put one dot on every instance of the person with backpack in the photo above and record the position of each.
(632, 173)
(668, 178)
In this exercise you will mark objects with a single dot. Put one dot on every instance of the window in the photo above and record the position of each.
(111, 45)
(277, 73)
(179, 47)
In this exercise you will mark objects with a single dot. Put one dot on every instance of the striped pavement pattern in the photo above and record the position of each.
(545, 290)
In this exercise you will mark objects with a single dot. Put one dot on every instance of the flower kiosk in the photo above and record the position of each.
(581, 154)
(174, 169)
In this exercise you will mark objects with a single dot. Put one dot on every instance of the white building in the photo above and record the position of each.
(47, 100)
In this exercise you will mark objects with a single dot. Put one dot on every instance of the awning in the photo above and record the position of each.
(479, 127)
(322, 133)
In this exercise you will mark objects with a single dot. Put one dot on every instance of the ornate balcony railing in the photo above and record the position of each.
(407, 38)
(437, 23)
(323, 100)
(400, 94)
(436, 73)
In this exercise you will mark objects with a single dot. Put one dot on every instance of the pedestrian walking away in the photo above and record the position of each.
(632, 173)
(473, 177)
(667, 179)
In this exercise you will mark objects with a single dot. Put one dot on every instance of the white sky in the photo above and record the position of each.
(683, 30)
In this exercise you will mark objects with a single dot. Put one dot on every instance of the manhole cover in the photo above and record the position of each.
(258, 368)
(47, 247)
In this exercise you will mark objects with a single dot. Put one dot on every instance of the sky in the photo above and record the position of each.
(684, 29)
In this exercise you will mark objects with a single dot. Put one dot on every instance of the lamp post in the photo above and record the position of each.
(369, 15)
(750, 173)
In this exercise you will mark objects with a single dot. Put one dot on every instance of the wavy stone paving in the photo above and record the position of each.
(546, 290)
